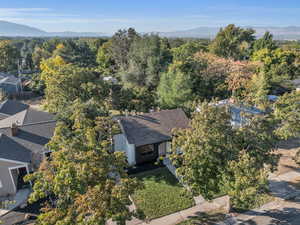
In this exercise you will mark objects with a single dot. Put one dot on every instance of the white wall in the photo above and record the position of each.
(8, 186)
(121, 145)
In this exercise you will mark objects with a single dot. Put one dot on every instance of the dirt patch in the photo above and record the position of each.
(35, 103)
(287, 150)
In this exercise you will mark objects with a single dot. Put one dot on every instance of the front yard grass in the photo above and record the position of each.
(162, 195)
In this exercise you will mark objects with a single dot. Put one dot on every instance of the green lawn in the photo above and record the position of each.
(162, 195)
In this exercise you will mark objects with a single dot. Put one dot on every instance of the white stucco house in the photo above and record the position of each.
(146, 137)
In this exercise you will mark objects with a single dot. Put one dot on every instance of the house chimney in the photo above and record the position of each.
(14, 129)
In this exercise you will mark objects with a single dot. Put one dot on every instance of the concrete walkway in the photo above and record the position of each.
(15, 201)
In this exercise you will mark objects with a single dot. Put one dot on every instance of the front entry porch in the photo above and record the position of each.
(17, 174)
(150, 153)
(146, 154)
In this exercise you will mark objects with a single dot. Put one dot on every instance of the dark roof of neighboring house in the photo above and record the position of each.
(35, 129)
(10, 80)
(28, 116)
(154, 127)
(11, 107)
(3, 75)
(32, 137)
(12, 150)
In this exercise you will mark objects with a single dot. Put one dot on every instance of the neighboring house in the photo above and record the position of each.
(10, 84)
(11, 107)
(238, 111)
(296, 84)
(147, 136)
(23, 137)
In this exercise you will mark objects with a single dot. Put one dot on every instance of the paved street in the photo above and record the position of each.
(287, 214)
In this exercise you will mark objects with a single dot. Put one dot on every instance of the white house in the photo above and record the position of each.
(146, 137)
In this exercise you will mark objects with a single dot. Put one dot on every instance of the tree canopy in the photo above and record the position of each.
(85, 181)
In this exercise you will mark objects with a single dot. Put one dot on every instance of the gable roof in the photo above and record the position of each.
(154, 127)
(11, 107)
(12, 150)
(28, 116)
(32, 137)
(35, 129)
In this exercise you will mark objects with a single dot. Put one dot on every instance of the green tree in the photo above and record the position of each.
(104, 59)
(119, 49)
(206, 147)
(187, 50)
(266, 41)
(139, 99)
(77, 53)
(209, 74)
(175, 87)
(244, 182)
(9, 57)
(66, 82)
(211, 149)
(86, 180)
(287, 113)
(233, 42)
(149, 56)
(278, 65)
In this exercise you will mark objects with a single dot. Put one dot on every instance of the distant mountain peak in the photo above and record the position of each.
(10, 29)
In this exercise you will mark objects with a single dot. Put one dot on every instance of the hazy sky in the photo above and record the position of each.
(148, 15)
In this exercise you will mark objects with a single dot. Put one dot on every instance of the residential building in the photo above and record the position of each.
(10, 84)
(147, 136)
(23, 137)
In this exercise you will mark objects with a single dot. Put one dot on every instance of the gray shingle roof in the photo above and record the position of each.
(11, 107)
(32, 137)
(35, 129)
(153, 127)
(27, 116)
(12, 150)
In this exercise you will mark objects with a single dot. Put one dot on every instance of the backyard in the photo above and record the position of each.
(162, 195)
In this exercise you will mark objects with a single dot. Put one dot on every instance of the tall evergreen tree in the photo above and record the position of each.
(233, 42)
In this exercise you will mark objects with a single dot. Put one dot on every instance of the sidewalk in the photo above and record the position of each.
(19, 199)
(280, 188)
(175, 218)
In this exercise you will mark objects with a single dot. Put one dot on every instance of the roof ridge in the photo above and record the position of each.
(36, 123)
(30, 124)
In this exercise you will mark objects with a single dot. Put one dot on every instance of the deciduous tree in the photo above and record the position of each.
(85, 180)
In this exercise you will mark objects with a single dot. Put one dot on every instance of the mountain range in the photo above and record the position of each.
(10, 29)
(280, 33)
